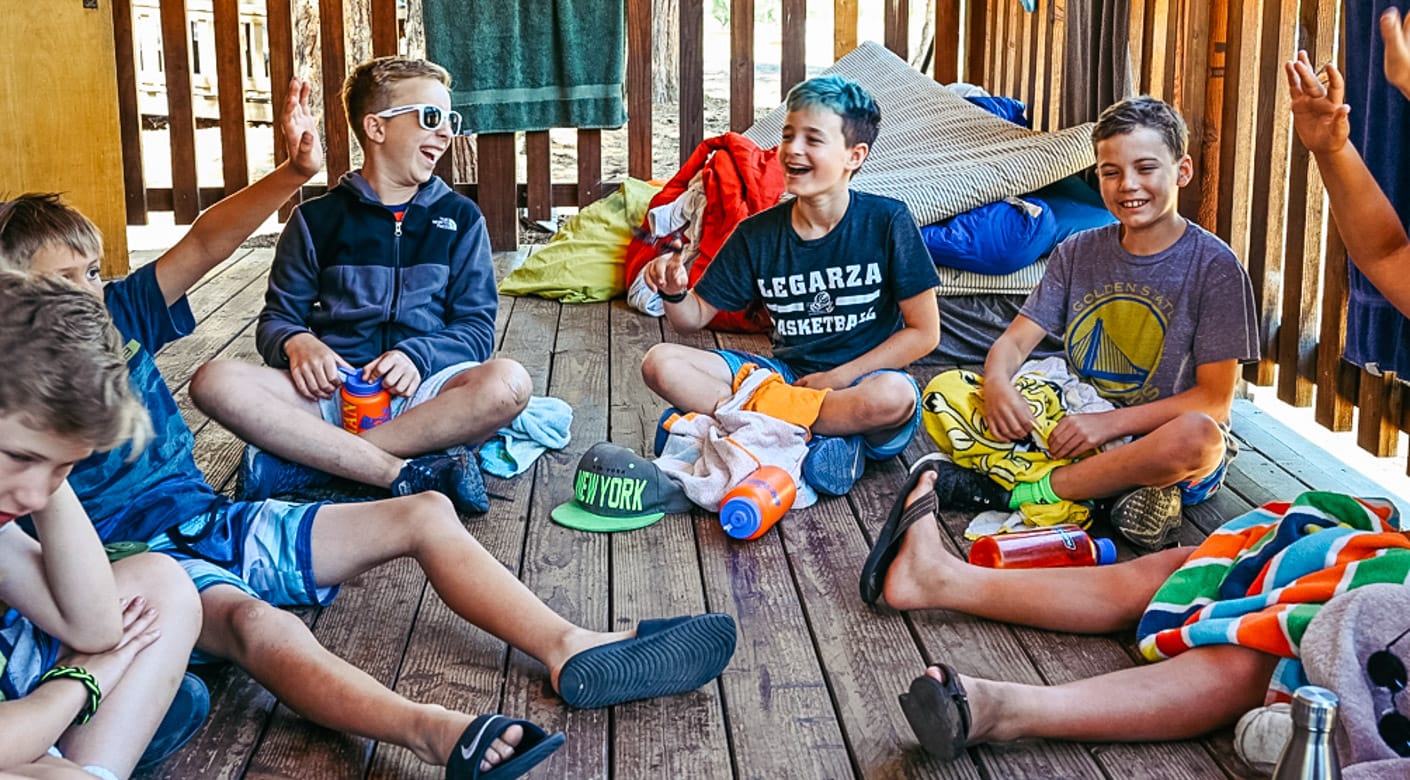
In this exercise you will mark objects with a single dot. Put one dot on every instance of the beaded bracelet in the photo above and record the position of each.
(95, 694)
(674, 297)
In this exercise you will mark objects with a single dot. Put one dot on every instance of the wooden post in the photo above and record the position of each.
(741, 65)
(947, 41)
(691, 76)
(230, 84)
(638, 89)
(181, 121)
(134, 182)
(337, 155)
(844, 27)
(795, 40)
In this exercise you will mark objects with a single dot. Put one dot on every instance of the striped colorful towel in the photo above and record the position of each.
(1259, 579)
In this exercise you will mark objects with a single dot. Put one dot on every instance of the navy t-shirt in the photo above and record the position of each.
(833, 298)
(134, 498)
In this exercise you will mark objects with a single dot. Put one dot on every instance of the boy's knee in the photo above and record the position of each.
(210, 381)
(512, 381)
(889, 399)
(655, 365)
(160, 580)
(252, 623)
(1201, 442)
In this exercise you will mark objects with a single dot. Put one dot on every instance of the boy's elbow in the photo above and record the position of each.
(94, 638)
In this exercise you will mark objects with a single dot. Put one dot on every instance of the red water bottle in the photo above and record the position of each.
(1056, 545)
(754, 505)
(364, 405)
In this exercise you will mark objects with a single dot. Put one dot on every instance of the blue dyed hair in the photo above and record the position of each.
(861, 119)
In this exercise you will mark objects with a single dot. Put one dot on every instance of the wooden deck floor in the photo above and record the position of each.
(811, 692)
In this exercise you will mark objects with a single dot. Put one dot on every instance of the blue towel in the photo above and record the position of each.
(543, 425)
(531, 66)
(1375, 331)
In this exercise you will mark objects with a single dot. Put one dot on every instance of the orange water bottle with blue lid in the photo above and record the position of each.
(364, 405)
(754, 505)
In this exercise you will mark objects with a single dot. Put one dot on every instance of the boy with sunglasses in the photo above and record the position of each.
(389, 275)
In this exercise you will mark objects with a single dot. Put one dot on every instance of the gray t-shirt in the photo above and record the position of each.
(1135, 327)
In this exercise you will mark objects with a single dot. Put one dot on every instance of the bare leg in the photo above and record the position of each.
(119, 732)
(1187, 447)
(48, 768)
(279, 652)
(879, 406)
(1088, 599)
(472, 582)
(1179, 698)
(688, 378)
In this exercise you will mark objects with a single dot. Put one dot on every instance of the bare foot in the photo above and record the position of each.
(502, 749)
(923, 568)
(576, 641)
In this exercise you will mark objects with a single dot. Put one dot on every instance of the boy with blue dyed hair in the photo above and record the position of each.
(845, 277)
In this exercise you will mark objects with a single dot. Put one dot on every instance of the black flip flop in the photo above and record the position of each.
(469, 750)
(898, 521)
(938, 713)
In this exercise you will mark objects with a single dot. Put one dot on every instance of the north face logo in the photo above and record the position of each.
(445, 223)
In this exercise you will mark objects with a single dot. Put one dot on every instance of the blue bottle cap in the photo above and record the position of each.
(354, 384)
(740, 517)
(1106, 551)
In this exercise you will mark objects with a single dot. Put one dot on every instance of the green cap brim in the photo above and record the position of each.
(570, 515)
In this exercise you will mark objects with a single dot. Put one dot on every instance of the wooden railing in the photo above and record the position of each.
(1217, 60)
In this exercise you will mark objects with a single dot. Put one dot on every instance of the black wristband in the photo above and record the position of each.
(95, 695)
(675, 297)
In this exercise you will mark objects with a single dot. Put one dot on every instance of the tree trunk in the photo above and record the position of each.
(665, 50)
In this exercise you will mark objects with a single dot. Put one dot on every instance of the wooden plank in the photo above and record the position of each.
(589, 167)
(129, 120)
(1270, 182)
(1201, 100)
(496, 176)
(993, 44)
(1038, 106)
(1136, 44)
(280, 30)
(844, 27)
(976, 44)
(656, 572)
(1297, 333)
(691, 77)
(181, 122)
(536, 149)
(384, 28)
(793, 67)
(741, 64)
(639, 99)
(897, 24)
(1053, 83)
(947, 41)
(1336, 379)
(1008, 49)
(1027, 43)
(337, 153)
(1236, 143)
(1159, 47)
(230, 80)
(1378, 425)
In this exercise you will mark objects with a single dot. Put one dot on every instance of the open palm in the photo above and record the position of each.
(1319, 113)
(301, 130)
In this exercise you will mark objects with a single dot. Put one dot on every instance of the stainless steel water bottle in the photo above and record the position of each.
(1310, 753)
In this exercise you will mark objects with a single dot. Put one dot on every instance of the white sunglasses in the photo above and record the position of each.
(430, 117)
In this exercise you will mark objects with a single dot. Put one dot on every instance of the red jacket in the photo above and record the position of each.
(740, 179)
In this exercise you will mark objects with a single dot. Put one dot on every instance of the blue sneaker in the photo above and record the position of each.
(661, 433)
(454, 473)
(183, 719)
(265, 475)
(834, 463)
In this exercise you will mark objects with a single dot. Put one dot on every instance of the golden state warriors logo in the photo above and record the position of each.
(1116, 343)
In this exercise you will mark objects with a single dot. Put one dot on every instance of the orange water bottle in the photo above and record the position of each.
(1056, 545)
(754, 505)
(365, 405)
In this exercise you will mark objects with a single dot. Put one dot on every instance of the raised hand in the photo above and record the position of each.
(1395, 31)
(666, 274)
(1319, 113)
(301, 131)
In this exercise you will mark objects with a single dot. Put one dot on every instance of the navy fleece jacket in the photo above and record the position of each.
(348, 272)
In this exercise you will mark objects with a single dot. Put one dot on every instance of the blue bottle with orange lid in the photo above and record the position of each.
(754, 505)
(365, 405)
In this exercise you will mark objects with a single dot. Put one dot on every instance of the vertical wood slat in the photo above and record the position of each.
(1378, 425)
(498, 188)
(792, 69)
(134, 184)
(638, 89)
(1026, 42)
(1057, 53)
(741, 64)
(1042, 41)
(1236, 144)
(844, 27)
(537, 150)
(896, 36)
(691, 76)
(1202, 85)
(1297, 332)
(230, 81)
(1158, 35)
(1015, 26)
(1270, 182)
(999, 40)
(589, 166)
(181, 122)
(337, 155)
(384, 28)
(975, 46)
(279, 26)
(1336, 379)
(947, 41)
(1136, 43)
(994, 33)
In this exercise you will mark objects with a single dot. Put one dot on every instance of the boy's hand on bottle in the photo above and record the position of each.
(398, 374)
(1396, 34)
(138, 633)
(1006, 412)
(313, 366)
(1319, 115)
(1078, 434)
(301, 130)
